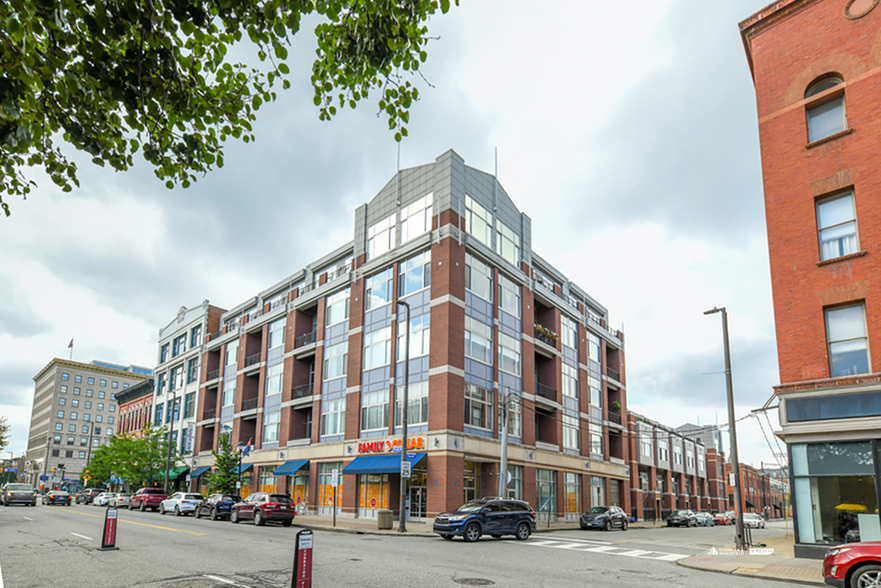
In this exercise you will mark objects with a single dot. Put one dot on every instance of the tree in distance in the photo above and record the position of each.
(115, 77)
(226, 467)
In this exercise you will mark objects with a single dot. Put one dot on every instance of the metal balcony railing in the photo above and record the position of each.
(213, 375)
(209, 413)
(249, 404)
(301, 391)
(615, 418)
(613, 374)
(252, 359)
(545, 391)
(304, 339)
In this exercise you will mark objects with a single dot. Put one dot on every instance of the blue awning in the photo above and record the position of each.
(244, 467)
(379, 464)
(199, 471)
(289, 467)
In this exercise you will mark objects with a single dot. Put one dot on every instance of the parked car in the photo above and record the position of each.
(20, 493)
(853, 565)
(704, 519)
(57, 497)
(180, 503)
(103, 498)
(217, 506)
(731, 515)
(262, 507)
(605, 518)
(87, 495)
(721, 518)
(681, 518)
(753, 521)
(487, 516)
(147, 498)
(120, 500)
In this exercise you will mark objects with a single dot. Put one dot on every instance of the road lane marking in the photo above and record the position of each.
(635, 553)
(27, 518)
(83, 536)
(672, 557)
(605, 549)
(572, 539)
(85, 514)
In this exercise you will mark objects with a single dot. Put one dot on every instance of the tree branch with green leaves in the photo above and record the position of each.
(114, 78)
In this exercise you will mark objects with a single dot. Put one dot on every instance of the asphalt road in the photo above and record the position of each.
(50, 546)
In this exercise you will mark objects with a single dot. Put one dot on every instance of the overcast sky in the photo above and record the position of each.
(627, 132)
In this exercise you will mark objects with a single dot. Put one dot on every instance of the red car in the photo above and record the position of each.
(262, 507)
(147, 498)
(853, 565)
(721, 518)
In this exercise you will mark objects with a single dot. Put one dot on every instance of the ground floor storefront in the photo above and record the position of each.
(358, 479)
(835, 494)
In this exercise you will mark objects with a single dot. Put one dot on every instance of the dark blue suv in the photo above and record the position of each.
(487, 516)
(217, 506)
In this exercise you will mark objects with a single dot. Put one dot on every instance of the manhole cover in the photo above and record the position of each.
(474, 582)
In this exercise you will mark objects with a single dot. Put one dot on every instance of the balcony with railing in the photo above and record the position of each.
(209, 414)
(249, 404)
(213, 375)
(301, 391)
(304, 340)
(545, 391)
(614, 417)
(613, 374)
(252, 359)
(545, 335)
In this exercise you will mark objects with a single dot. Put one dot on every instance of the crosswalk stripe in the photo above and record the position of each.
(606, 549)
(672, 557)
(634, 553)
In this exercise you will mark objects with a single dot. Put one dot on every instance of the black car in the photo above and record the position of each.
(605, 518)
(682, 518)
(216, 506)
(57, 497)
(487, 516)
(87, 495)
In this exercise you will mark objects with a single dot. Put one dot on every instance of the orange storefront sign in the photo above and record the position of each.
(390, 445)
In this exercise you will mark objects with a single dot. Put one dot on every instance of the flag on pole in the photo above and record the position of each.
(247, 450)
(71, 344)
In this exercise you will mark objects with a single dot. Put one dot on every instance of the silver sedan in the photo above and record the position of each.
(120, 500)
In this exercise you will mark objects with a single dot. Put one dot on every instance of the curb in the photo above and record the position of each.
(743, 575)
(362, 531)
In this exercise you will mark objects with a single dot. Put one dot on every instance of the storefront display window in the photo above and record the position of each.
(325, 490)
(546, 494)
(299, 490)
(834, 493)
(573, 496)
(267, 480)
(373, 492)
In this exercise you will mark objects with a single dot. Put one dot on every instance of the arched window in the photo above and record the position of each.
(827, 117)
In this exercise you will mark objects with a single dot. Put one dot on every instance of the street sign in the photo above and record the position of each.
(406, 468)
(303, 561)
(731, 479)
(334, 477)
(108, 540)
(11, 469)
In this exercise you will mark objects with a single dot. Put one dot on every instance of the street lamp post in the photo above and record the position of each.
(240, 448)
(732, 431)
(170, 419)
(402, 523)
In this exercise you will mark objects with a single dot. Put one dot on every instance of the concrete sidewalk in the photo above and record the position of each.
(417, 528)
(781, 564)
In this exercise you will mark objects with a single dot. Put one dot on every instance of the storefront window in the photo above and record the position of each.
(325, 490)
(373, 494)
(515, 486)
(267, 480)
(546, 494)
(835, 498)
(573, 496)
(300, 490)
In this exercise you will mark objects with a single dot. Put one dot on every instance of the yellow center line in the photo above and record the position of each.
(85, 514)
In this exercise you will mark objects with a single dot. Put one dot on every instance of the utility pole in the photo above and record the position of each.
(740, 541)
(170, 420)
(402, 519)
(503, 420)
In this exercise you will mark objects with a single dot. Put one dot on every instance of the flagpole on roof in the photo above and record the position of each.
(70, 346)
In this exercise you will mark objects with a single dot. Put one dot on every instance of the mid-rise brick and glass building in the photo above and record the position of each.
(309, 370)
(74, 412)
(816, 66)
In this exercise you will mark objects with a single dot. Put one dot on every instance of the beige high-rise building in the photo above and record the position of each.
(74, 412)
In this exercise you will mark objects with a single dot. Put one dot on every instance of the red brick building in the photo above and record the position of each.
(307, 370)
(135, 407)
(816, 66)
(761, 495)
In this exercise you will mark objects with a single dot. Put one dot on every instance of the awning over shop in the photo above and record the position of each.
(173, 473)
(243, 468)
(199, 471)
(750, 504)
(379, 464)
(289, 467)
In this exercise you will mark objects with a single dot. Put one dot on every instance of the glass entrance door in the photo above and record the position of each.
(471, 480)
(546, 495)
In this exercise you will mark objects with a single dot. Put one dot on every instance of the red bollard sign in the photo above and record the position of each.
(108, 539)
(303, 561)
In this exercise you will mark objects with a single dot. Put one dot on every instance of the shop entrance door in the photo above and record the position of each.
(471, 480)
(418, 502)
(598, 491)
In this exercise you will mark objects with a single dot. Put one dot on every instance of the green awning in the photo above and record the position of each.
(173, 473)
